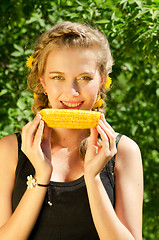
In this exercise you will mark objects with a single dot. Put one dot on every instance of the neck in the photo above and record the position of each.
(69, 138)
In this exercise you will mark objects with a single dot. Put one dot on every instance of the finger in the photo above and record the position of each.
(93, 136)
(25, 143)
(106, 123)
(111, 138)
(92, 144)
(46, 142)
(28, 134)
(104, 137)
(47, 134)
(107, 151)
(92, 148)
(111, 135)
(39, 133)
(33, 127)
(30, 128)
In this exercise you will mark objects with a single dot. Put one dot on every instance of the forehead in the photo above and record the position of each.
(74, 60)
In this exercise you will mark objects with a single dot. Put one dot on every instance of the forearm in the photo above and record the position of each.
(105, 219)
(22, 221)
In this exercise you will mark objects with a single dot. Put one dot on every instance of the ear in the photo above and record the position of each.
(42, 82)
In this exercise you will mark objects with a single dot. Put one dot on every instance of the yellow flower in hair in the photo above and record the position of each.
(108, 82)
(35, 95)
(29, 62)
(98, 103)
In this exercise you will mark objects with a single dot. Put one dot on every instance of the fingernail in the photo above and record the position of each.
(38, 115)
(102, 116)
(41, 122)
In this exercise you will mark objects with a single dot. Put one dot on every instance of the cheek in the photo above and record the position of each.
(53, 92)
(93, 88)
(91, 92)
(53, 87)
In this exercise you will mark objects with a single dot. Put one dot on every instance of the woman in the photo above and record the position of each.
(77, 192)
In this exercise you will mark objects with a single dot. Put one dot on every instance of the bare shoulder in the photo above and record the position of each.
(128, 154)
(127, 145)
(9, 151)
(9, 139)
(127, 148)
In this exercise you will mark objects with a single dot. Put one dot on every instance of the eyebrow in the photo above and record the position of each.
(56, 73)
(89, 73)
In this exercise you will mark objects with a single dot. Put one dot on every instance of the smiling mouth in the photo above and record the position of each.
(71, 104)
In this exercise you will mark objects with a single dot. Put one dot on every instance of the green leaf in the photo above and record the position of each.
(102, 21)
(157, 92)
(3, 92)
(19, 48)
(123, 1)
(155, 14)
(16, 54)
(98, 2)
(139, 3)
(129, 66)
(80, 8)
(133, 130)
(21, 104)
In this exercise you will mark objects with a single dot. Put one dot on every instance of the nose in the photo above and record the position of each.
(75, 93)
(72, 89)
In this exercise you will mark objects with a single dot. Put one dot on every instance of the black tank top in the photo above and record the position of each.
(69, 217)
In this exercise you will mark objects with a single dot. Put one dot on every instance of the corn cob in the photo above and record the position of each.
(69, 118)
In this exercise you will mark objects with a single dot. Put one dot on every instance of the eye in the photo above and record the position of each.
(56, 77)
(87, 78)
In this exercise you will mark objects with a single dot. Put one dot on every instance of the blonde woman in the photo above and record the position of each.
(58, 183)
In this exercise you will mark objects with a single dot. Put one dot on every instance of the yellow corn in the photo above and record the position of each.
(69, 118)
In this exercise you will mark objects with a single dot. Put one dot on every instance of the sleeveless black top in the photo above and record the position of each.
(69, 217)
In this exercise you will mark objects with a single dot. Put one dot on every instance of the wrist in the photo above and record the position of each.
(90, 171)
(32, 182)
(91, 177)
(42, 179)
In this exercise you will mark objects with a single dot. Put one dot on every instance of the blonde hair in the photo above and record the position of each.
(67, 35)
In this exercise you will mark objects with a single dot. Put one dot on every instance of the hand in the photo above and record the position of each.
(97, 156)
(36, 144)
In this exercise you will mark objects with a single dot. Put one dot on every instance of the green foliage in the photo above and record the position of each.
(132, 28)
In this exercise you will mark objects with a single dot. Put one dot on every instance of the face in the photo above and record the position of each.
(71, 79)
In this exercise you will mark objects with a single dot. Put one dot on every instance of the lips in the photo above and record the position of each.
(72, 105)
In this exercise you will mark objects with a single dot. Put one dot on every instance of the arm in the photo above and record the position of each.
(125, 222)
(129, 186)
(19, 224)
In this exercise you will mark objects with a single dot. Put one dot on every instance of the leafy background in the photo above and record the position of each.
(132, 28)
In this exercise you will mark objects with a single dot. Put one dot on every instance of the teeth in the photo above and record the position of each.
(71, 104)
